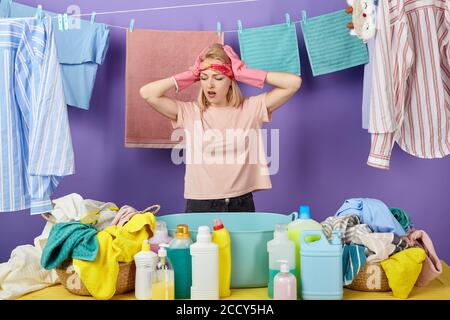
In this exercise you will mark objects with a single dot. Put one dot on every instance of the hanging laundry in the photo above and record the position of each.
(330, 46)
(271, 48)
(410, 92)
(36, 146)
(153, 55)
(80, 51)
(367, 82)
(372, 212)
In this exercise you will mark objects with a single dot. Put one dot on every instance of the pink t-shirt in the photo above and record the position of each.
(224, 151)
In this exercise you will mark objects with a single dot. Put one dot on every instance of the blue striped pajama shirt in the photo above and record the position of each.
(36, 146)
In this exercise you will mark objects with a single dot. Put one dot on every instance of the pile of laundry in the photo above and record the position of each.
(96, 237)
(373, 233)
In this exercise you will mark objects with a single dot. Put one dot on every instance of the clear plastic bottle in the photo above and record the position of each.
(160, 235)
(280, 249)
(285, 284)
(164, 283)
(205, 267)
(295, 230)
(145, 261)
(222, 238)
(180, 258)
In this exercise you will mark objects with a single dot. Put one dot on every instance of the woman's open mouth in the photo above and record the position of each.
(211, 94)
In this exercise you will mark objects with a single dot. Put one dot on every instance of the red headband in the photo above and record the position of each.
(225, 69)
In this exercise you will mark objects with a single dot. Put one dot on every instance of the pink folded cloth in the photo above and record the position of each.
(153, 55)
(432, 266)
(124, 215)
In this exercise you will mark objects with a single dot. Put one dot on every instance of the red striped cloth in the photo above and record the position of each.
(410, 100)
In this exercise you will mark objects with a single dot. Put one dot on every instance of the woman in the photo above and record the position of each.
(223, 178)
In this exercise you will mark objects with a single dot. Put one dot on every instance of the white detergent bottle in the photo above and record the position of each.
(160, 235)
(280, 249)
(145, 261)
(205, 266)
(295, 230)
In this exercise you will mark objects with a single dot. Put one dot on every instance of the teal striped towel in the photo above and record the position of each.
(271, 48)
(329, 44)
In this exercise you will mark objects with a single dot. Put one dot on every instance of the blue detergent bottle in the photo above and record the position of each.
(321, 267)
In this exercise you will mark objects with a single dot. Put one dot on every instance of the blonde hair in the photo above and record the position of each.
(234, 95)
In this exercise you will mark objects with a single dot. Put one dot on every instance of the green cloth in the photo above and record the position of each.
(69, 240)
(402, 217)
(329, 43)
(271, 48)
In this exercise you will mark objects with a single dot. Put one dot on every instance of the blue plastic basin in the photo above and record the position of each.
(249, 232)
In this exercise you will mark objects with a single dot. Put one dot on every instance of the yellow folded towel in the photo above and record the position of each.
(116, 244)
(402, 270)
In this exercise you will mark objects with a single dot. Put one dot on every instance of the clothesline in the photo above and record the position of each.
(119, 27)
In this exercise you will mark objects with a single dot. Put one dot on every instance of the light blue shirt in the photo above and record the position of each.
(36, 146)
(374, 213)
(80, 51)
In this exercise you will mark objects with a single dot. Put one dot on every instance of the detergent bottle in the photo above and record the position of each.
(295, 230)
(145, 261)
(321, 267)
(164, 283)
(285, 284)
(280, 249)
(205, 267)
(180, 258)
(222, 238)
(160, 235)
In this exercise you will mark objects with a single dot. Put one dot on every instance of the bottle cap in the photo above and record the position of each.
(218, 224)
(280, 231)
(162, 252)
(203, 234)
(305, 212)
(160, 226)
(182, 231)
(284, 266)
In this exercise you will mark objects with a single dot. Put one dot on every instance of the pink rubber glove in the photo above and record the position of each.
(252, 77)
(192, 75)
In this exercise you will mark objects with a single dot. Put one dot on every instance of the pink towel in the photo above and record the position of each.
(154, 55)
(432, 266)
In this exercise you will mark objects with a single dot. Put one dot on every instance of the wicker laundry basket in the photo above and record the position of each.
(72, 282)
(370, 278)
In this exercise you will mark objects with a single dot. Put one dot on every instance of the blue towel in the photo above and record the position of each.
(69, 240)
(374, 213)
(270, 48)
(329, 44)
(353, 259)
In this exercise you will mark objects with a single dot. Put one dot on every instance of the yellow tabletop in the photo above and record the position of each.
(439, 289)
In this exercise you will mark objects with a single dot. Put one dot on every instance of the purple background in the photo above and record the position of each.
(323, 150)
